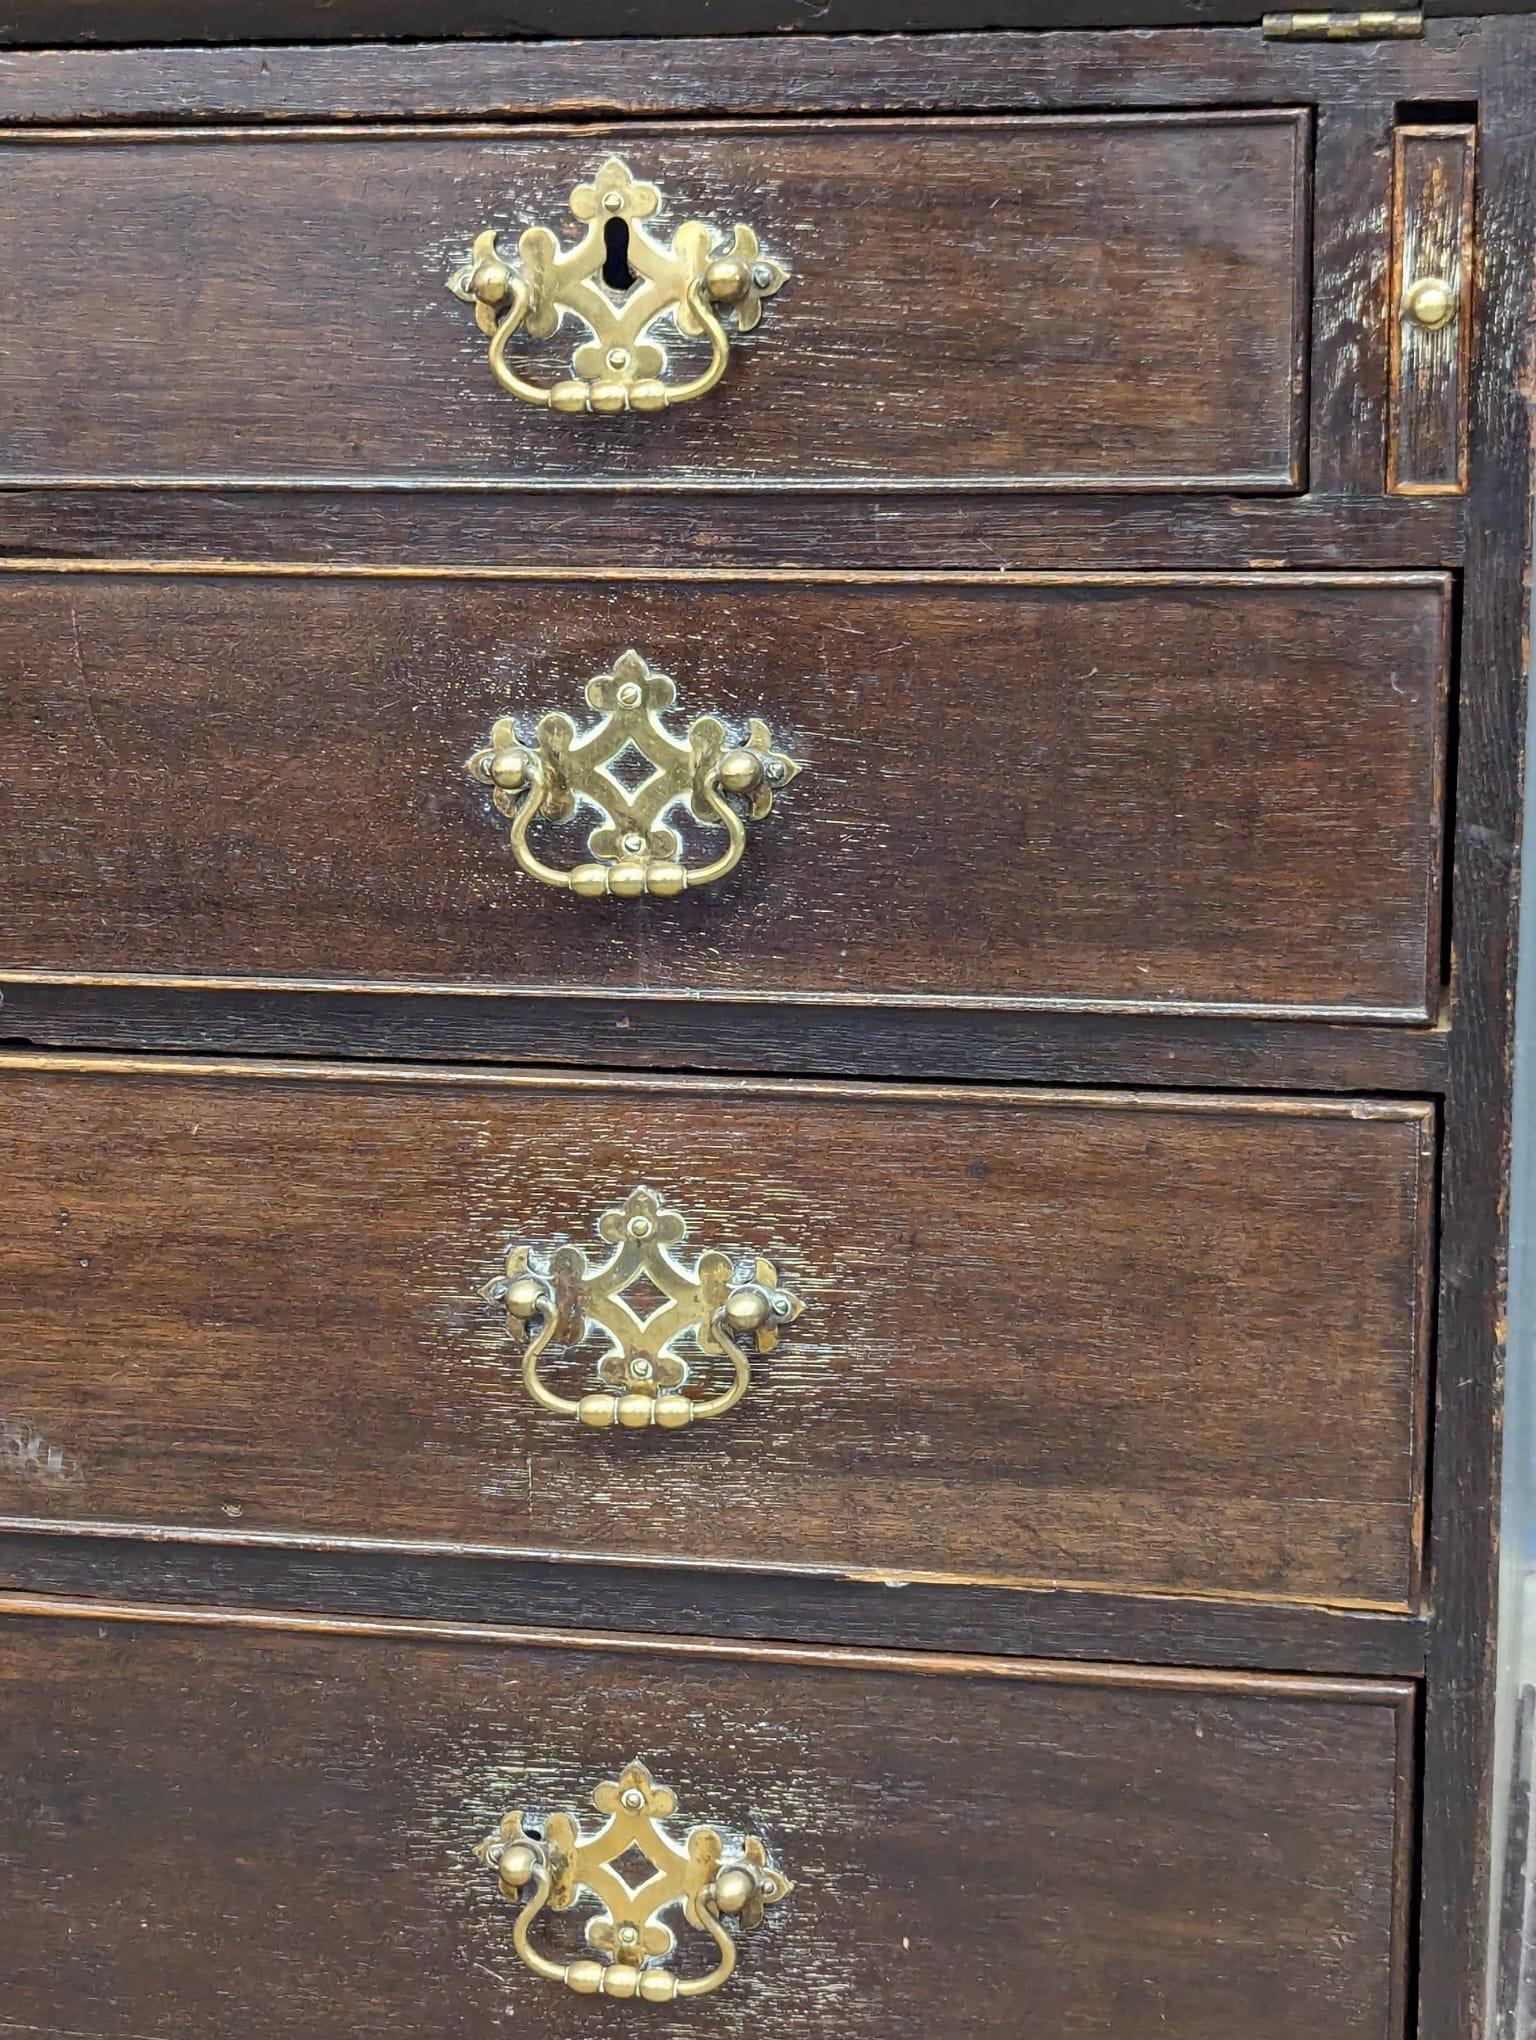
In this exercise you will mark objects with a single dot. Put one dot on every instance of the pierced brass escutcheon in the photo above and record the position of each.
(708, 1882)
(633, 848)
(695, 280)
(722, 1307)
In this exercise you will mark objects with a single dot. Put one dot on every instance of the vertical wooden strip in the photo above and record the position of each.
(1428, 1245)
(1351, 242)
(1405, 1855)
(1433, 178)
(1512, 1928)
(1458, 1749)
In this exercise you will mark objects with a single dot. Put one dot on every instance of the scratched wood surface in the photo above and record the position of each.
(1154, 1344)
(176, 21)
(1151, 68)
(265, 1834)
(1472, 1329)
(1188, 792)
(1094, 301)
(1434, 183)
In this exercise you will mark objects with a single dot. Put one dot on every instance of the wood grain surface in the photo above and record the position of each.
(1157, 1344)
(89, 21)
(1434, 182)
(1107, 301)
(642, 67)
(1133, 792)
(359, 1577)
(811, 529)
(1461, 1773)
(263, 1834)
(679, 1033)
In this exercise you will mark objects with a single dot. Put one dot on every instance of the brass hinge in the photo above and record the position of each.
(1381, 25)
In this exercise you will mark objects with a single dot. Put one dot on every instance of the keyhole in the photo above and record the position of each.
(617, 273)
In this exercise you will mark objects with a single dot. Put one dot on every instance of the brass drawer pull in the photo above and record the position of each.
(619, 281)
(629, 1933)
(633, 849)
(558, 1296)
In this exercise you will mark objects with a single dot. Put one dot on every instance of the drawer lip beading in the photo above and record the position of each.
(1377, 1690)
(852, 1090)
(960, 1002)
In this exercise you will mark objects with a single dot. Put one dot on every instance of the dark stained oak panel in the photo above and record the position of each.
(1147, 1343)
(1118, 791)
(1104, 301)
(263, 1833)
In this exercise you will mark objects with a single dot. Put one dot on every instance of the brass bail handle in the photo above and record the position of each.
(633, 849)
(709, 1882)
(620, 282)
(714, 1307)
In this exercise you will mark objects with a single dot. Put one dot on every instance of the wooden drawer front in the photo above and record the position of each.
(267, 1833)
(1117, 792)
(1153, 1343)
(1098, 301)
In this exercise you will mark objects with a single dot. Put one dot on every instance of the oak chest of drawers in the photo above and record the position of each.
(760, 809)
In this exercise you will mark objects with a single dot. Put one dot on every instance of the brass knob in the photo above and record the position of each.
(1431, 302)
(697, 1872)
(692, 282)
(713, 1308)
